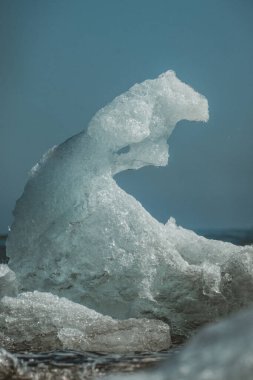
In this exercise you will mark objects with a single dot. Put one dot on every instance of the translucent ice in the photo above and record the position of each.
(77, 234)
(38, 321)
(222, 351)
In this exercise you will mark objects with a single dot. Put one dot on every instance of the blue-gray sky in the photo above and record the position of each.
(61, 60)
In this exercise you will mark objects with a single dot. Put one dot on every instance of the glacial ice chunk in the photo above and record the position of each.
(77, 234)
(38, 321)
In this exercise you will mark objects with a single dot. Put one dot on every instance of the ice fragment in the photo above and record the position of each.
(38, 321)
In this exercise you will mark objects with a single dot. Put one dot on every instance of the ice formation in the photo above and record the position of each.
(38, 321)
(77, 234)
(222, 351)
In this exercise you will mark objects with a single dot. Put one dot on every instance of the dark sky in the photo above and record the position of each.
(62, 60)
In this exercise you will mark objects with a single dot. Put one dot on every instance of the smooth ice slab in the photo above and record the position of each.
(222, 351)
(78, 234)
(38, 321)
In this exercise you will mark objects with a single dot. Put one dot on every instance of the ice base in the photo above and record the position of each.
(36, 321)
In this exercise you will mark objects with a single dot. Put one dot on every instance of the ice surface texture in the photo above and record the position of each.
(222, 351)
(77, 234)
(8, 283)
(38, 321)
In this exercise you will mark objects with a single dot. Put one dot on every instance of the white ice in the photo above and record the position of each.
(77, 234)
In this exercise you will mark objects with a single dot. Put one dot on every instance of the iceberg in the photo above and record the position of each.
(36, 321)
(78, 235)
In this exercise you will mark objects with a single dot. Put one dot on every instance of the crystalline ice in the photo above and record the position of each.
(222, 351)
(41, 321)
(77, 234)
